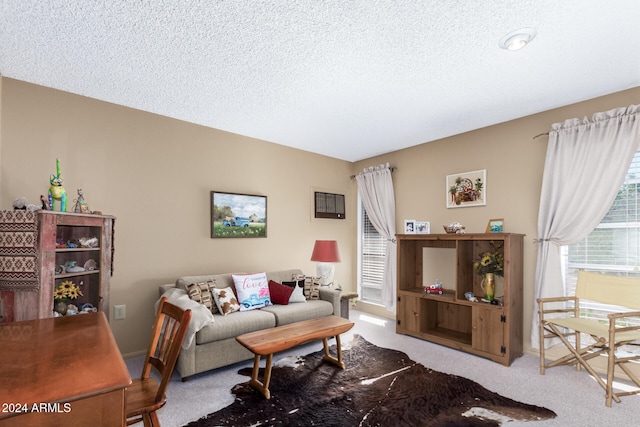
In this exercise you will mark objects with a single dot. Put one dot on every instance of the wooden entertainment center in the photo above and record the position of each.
(487, 330)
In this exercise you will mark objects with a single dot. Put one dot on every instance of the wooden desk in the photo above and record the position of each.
(61, 371)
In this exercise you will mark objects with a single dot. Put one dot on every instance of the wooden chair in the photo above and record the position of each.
(620, 328)
(145, 395)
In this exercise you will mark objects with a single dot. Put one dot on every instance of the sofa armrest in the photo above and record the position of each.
(164, 288)
(333, 296)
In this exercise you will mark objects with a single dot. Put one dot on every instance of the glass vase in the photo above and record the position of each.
(60, 306)
(489, 286)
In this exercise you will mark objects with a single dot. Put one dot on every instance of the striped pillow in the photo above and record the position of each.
(202, 292)
(311, 286)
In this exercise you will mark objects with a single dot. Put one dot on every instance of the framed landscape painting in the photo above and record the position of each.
(238, 215)
(467, 189)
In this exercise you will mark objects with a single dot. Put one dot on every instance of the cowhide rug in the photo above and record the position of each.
(379, 387)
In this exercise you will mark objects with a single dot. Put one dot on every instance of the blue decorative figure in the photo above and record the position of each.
(57, 191)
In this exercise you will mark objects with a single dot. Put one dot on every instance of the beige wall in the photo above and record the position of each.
(155, 174)
(514, 163)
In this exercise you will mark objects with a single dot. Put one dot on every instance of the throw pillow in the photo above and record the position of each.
(311, 286)
(280, 293)
(294, 283)
(201, 292)
(297, 295)
(225, 300)
(252, 290)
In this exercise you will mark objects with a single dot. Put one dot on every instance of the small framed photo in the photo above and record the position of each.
(495, 225)
(423, 227)
(409, 226)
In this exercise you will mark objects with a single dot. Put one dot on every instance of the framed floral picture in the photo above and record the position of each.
(466, 189)
(238, 215)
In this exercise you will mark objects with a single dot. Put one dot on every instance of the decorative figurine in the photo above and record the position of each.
(57, 191)
(470, 296)
(436, 288)
(454, 228)
(71, 267)
(22, 204)
(81, 206)
(88, 242)
(45, 203)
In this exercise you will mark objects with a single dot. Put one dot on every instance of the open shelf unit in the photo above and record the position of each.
(54, 231)
(491, 331)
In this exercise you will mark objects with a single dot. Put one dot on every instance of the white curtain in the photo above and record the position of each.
(587, 161)
(375, 187)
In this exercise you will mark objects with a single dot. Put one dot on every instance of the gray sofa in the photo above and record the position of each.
(215, 344)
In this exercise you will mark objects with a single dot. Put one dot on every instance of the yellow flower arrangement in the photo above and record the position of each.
(67, 289)
(491, 262)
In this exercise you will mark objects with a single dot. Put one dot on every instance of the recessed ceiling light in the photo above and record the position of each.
(518, 39)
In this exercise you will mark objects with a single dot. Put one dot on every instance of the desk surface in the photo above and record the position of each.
(60, 359)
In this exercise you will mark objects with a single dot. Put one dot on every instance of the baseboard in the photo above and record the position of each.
(134, 354)
(375, 309)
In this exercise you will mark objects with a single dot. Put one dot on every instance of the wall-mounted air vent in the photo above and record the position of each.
(328, 205)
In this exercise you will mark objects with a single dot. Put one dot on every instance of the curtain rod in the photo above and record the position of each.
(541, 134)
(391, 168)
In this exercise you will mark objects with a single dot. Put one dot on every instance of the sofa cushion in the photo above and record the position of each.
(201, 292)
(225, 300)
(291, 313)
(280, 293)
(235, 324)
(252, 290)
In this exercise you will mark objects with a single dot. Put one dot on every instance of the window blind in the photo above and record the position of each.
(372, 259)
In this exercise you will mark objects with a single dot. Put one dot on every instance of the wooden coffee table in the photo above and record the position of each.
(272, 340)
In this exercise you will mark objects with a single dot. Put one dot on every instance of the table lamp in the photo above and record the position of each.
(325, 252)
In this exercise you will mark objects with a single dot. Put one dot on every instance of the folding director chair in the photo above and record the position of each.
(620, 328)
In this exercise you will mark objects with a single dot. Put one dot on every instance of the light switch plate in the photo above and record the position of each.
(119, 312)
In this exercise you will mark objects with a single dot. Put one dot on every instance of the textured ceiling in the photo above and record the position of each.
(347, 79)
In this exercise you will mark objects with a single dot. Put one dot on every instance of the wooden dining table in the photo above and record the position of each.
(65, 371)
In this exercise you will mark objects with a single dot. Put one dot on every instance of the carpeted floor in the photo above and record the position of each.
(378, 387)
(574, 396)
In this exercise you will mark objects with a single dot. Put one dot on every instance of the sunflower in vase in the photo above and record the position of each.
(490, 263)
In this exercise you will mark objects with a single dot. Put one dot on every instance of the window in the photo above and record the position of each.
(371, 258)
(613, 247)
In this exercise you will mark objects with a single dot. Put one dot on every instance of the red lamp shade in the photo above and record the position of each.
(326, 251)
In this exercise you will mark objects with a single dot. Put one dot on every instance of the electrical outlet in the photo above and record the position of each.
(119, 312)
